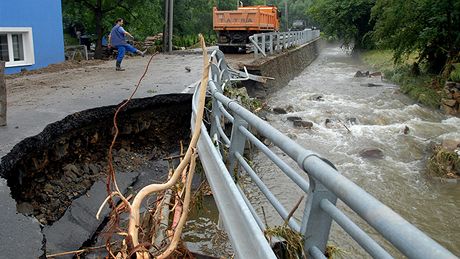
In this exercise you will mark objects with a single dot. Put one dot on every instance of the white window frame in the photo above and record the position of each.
(27, 42)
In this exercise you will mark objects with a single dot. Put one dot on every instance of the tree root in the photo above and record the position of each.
(186, 166)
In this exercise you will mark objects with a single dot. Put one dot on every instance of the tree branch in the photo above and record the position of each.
(129, 11)
(88, 4)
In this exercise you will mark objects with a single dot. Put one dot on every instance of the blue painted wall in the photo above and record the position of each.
(45, 18)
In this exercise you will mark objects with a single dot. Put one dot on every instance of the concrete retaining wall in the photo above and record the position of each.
(283, 67)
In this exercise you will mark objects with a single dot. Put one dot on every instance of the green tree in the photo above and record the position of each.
(427, 27)
(97, 14)
(347, 20)
(192, 17)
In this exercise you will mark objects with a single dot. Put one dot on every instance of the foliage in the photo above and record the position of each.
(431, 28)
(96, 16)
(241, 95)
(455, 74)
(444, 163)
(347, 20)
(423, 88)
(69, 40)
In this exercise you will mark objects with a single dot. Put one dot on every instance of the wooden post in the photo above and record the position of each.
(2, 94)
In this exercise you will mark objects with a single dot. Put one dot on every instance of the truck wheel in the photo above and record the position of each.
(229, 49)
(224, 49)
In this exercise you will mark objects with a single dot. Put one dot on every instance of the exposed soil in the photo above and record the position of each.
(46, 172)
(68, 64)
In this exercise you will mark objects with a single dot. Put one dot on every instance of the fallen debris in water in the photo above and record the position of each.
(445, 161)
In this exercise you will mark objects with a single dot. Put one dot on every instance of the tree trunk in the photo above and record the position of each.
(99, 32)
(2, 95)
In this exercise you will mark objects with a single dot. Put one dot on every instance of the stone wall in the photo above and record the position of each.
(282, 67)
(451, 101)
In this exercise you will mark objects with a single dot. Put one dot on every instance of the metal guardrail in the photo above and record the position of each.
(325, 186)
(275, 42)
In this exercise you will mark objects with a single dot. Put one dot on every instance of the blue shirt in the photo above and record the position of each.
(117, 35)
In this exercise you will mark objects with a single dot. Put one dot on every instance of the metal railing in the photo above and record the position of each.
(274, 42)
(325, 186)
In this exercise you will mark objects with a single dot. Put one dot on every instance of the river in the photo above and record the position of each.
(376, 117)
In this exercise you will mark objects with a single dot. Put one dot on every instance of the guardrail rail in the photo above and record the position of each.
(221, 154)
(274, 42)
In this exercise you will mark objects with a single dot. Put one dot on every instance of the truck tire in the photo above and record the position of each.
(228, 49)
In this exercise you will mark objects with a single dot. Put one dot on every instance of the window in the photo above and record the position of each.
(16, 46)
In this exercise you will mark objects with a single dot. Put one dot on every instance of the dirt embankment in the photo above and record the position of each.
(46, 172)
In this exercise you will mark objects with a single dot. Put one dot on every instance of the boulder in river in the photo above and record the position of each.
(406, 130)
(294, 118)
(279, 110)
(303, 124)
(362, 74)
(317, 97)
(451, 144)
(372, 153)
(371, 85)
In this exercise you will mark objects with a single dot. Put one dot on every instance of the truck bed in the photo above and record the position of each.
(254, 18)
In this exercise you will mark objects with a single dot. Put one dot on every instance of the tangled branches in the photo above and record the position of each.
(132, 245)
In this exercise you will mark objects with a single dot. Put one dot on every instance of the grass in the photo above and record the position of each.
(424, 88)
(455, 74)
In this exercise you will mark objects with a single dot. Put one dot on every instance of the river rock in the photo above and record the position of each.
(371, 85)
(70, 175)
(406, 130)
(317, 97)
(362, 74)
(294, 118)
(449, 102)
(94, 169)
(450, 84)
(448, 109)
(303, 124)
(279, 110)
(373, 153)
(71, 168)
(450, 144)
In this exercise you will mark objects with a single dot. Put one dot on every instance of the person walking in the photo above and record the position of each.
(117, 39)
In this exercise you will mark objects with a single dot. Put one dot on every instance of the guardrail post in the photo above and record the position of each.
(271, 43)
(256, 42)
(263, 44)
(278, 46)
(216, 117)
(316, 224)
(237, 142)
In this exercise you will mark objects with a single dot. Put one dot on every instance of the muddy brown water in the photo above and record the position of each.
(376, 118)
